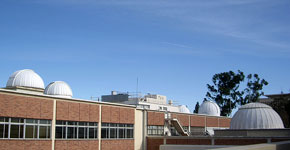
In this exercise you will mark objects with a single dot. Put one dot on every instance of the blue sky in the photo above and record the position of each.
(174, 47)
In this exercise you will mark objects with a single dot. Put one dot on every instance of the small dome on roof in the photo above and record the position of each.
(25, 78)
(183, 109)
(209, 108)
(256, 116)
(58, 88)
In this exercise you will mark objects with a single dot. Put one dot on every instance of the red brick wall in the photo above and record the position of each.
(115, 114)
(84, 112)
(153, 144)
(127, 115)
(76, 145)
(75, 111)
(212, 122)
(25, 107)
(197, 121)
(183, 119)
(25, 145)
(94, 113)
(155, 118)
(117, 144)
(224, 122)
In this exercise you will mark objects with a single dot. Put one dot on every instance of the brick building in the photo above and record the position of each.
(34, 117)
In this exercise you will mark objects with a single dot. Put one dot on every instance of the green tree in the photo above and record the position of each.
(224, 90)
(253, 90)
(196, 107)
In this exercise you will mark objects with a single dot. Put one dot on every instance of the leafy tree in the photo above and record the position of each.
(226, 93)
(253, 90)
(224, 90)
(196, 107)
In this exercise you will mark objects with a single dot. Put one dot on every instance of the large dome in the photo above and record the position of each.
(256, 116)
(209, 108)
(25, 78)
(183, 109)
(58, 88)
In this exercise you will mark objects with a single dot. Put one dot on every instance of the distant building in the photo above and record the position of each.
(149, 102)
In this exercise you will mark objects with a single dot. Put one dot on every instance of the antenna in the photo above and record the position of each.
(137, 89)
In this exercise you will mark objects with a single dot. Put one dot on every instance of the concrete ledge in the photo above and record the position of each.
(191, 147)
(271, 146)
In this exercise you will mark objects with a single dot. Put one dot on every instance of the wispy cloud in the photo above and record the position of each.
(250, 21)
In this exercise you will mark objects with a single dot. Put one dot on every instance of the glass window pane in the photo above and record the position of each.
(2, 130)
(14, 132)
(48, 131)
(15, 120)
(104, 132)
(71, 123)
(113, 125)
(81, 133)
(70, 132)
(6, 131)
(58, 132)
(43, 122)
(96, 133)
(1, 119)
(113, 133)
(60, 122)
(29, 131)
(121, 133)
(129, 133)
(30, 120)
(81, 123)
(92, 133)
(42, 132)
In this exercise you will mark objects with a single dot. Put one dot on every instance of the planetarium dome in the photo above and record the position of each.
(209, 108)
(25, 78)
(256, 116)
(58, 88)
(183, 109)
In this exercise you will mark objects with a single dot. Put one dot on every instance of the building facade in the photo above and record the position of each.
(34, 117)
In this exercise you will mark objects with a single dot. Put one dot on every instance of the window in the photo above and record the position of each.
(117, 131)
(20, 128)
(155, 130)
(76, 130)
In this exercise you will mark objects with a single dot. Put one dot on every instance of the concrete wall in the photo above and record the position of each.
(153, 143)
(138, 128)
(254, 132)
(270, 146)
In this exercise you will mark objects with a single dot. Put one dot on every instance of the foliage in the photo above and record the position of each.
(196, 107)
(253, 90)
(226, 91)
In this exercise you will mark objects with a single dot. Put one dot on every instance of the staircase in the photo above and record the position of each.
(176, 124)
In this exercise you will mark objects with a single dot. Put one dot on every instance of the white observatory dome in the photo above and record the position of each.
(58, 88)
(25, 78)
(183, 109)
(256, 116)
(209, 108)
